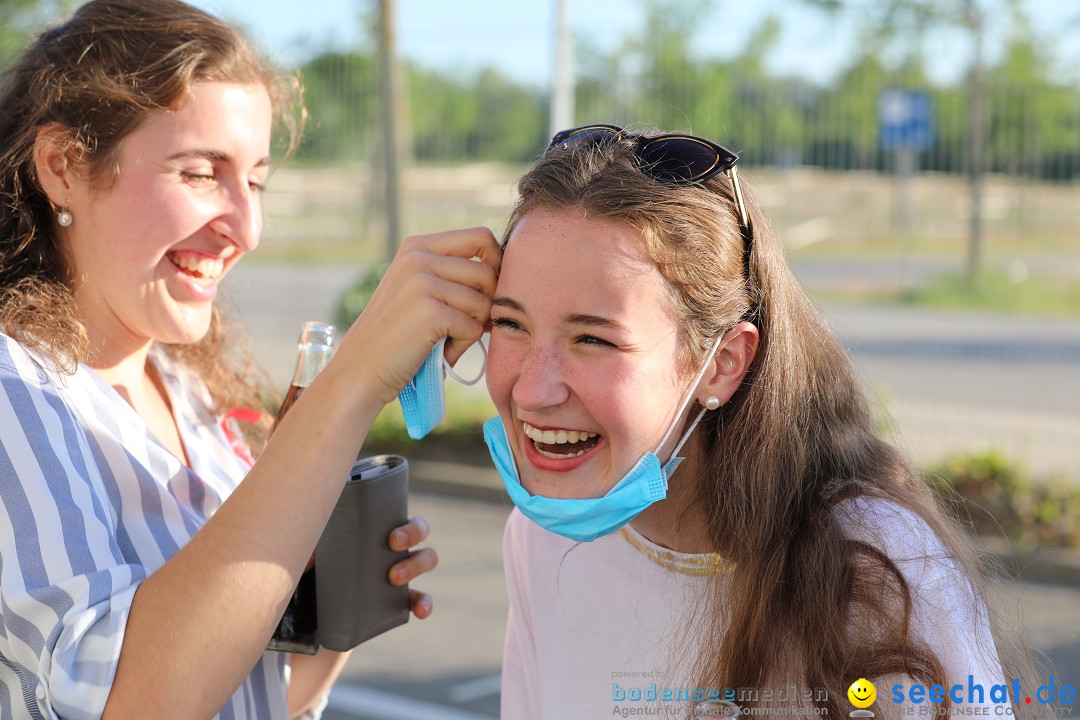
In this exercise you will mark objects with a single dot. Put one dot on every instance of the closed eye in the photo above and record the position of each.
(593, 340)
(506, 323)
(200, 178)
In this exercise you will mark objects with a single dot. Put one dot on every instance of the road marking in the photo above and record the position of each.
(379, 705)
(471, 690)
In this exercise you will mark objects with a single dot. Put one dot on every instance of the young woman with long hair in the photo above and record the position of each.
(139, 577)
(791, 552)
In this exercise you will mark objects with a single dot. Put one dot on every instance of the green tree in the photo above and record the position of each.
(341, 94)
(905, 25)
(486, 117)
(668, 81)
(844, 130)
(515, 123)
(767, 114)
(20, 20)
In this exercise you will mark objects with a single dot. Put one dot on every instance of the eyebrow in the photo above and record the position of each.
(502, 301)
(593, 321)
(571, 318)
(213, 155)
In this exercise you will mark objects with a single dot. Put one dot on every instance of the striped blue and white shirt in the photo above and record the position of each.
(90, 505)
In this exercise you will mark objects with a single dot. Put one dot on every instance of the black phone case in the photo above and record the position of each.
(355, 599)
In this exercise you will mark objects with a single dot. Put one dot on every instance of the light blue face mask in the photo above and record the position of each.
(586, 519)
(423, 400)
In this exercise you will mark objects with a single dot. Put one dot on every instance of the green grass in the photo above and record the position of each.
(995, 291)
(1043, 295)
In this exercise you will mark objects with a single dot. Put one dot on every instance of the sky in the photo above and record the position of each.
(516, 36)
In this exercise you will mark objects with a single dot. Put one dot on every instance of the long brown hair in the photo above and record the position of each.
(805, 602)
(97, 77)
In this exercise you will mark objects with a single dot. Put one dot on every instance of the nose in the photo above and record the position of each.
(541, 383)
(240, 217)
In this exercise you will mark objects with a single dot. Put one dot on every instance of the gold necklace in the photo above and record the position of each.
(694, 565)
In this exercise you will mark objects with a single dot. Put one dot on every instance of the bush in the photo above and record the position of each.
(996, 496)
(356, 298)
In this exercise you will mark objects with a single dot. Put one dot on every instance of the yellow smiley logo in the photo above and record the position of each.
(862, 693)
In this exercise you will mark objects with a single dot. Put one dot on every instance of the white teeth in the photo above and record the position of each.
(555, 437)
(205, 268)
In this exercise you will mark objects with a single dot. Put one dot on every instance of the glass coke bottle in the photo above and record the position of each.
(298, 630)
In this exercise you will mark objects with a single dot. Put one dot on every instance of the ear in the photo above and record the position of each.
(54, 169)
(730, 364)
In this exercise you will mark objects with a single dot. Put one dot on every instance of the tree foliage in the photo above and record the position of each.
(654, 77)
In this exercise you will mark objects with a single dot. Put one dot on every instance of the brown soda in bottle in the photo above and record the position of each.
(298, 630)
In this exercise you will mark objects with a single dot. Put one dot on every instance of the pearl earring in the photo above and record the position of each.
(712, 402)
(64, 218)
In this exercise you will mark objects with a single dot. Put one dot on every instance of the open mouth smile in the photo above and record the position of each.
(205, 270)
(560, 444)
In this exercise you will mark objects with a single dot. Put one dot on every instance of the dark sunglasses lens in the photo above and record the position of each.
(589, 134)
(680, 160)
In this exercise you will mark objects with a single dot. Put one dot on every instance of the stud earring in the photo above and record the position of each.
(64, 218)
(712, 402)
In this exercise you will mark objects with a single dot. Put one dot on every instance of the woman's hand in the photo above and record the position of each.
(438, 285)
(419, 562)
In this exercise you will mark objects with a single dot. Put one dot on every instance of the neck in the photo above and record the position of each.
(677, 521)
(125, 368)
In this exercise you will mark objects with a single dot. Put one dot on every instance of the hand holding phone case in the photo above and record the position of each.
(355, 599)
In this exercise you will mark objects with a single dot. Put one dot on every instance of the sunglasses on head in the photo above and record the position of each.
(672, 158)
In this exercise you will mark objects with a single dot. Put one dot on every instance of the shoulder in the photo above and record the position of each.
(948, 611)
(898, 531)
(31, 385)
(940, 582)
(19, 363)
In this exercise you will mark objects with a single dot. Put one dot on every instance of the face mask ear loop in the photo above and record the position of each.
(686, 401)
(483, 367)
(689, 432)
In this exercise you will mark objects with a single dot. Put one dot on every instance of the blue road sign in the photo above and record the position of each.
(905, 120)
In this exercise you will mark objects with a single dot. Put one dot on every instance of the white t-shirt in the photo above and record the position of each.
(595, 628)
(91, 504)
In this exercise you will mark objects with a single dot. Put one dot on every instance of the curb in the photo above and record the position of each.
(1049, 565)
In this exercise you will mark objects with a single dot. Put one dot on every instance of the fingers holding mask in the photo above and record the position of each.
(480, 274)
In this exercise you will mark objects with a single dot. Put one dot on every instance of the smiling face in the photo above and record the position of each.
(147, 252)
(862, 693)
(582, 365)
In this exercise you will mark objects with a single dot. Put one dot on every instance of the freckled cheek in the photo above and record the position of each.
(629, 407)
(502, 372)
(611, 404)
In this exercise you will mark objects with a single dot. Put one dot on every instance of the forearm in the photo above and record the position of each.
(199, 624)
(312, 678)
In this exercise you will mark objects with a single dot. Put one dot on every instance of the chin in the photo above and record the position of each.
(187, 333)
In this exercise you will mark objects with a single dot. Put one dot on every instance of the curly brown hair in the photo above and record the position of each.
(96, 77)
